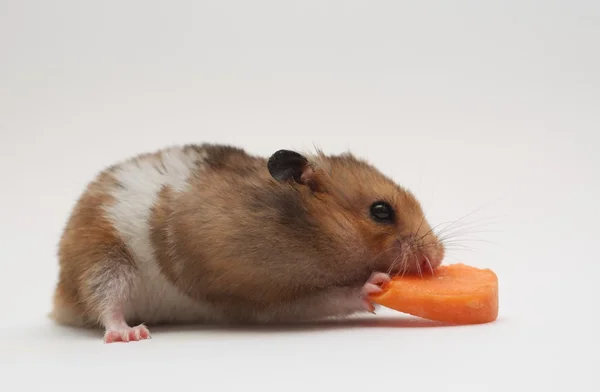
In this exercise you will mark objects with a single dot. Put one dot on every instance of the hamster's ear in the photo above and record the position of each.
(285, 165)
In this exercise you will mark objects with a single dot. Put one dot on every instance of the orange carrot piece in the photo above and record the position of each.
(453, 294)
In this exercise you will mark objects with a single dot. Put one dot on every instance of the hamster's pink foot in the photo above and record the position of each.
(127, 334)
(373, 286)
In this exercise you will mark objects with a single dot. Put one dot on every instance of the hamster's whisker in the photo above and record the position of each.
(430, 265)
(424, 245)
(418, 267)
(434, 228)
(465, 229)
(456, 239)
(404, 264)
(400, 258)
(457, 225)
(465, 216)
(460, 237)
(459, 248)
(451, 244)
(389, 271)
(420, 224)
(477, 222)
(429, 231)
(459, 232)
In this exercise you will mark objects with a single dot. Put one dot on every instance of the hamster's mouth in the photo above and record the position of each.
(414, 258)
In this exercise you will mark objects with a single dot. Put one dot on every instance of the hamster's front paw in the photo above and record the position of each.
(373, 286)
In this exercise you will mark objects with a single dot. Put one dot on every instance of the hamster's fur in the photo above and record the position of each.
(211, 233)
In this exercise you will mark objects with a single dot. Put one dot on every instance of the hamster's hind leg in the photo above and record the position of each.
(109, 286)
(98, 274)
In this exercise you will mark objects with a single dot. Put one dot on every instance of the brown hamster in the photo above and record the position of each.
(211, 233)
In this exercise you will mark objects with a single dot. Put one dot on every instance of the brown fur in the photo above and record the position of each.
(88, 242)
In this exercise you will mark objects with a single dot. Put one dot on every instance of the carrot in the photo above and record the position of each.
(453, 294)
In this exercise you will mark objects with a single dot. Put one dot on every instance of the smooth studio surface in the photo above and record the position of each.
(488, 112)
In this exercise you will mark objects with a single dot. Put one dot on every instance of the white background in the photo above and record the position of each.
(489, 108)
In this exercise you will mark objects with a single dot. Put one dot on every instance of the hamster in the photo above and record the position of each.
(211, 233)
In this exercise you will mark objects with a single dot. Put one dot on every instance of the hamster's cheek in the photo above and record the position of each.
(386, 251)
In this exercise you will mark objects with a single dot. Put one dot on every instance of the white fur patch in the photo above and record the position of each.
(154, 298)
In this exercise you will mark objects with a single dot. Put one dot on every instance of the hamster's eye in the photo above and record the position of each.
(382, 212)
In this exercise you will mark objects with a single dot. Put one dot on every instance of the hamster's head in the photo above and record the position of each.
(364, 218)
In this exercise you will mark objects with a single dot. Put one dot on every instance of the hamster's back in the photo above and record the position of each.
(108, 237)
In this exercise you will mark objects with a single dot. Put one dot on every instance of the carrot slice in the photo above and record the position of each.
(453, 294)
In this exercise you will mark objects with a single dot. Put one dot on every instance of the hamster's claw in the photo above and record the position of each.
(129, 334)
(375, 282)
(373, 286)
